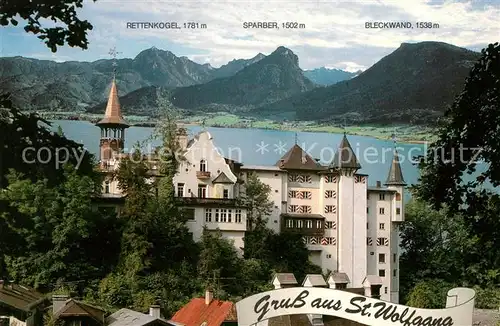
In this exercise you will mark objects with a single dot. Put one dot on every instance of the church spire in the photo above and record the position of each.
(395, 177)
(113, 114)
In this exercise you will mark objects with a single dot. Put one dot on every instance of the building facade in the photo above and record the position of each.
(350, 229)
(206, 184)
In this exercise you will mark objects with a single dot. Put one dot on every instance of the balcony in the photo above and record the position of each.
(305, 224)
(203, 175)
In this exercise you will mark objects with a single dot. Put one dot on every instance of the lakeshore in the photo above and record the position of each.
(410, 134)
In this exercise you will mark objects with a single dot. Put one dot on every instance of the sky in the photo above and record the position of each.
(334, 35)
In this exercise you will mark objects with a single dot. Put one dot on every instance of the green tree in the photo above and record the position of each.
(158, 256)
(433, 243)
(451, 176)
(219, 264)
(22, 136)
(430, 294)
(289, 254)
(256, 199)
(64, 12)
(57, 233)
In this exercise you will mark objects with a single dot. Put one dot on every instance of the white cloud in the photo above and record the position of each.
(336, 28)
(347, 66)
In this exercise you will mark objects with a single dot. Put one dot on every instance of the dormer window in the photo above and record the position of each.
(203, 166)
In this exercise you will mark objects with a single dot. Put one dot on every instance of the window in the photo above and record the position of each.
(330, 209)
(328, 256)
(202, 191)
(304, 209)
(385, 290)
(189, 213)
(398, 196)
(292, 194)
(293, 208)
(381, 272)
(395, 273)
(289, 224)
(330, 225)
(381, 258)
(229, 215)
(330, 194)
(106, 187)
(307, 179)
(368, 210)
(208, 215)
(305, 195)
(318, 224)
(381, 211)
(394, 257)
(293, 178)
(369, 241)
(217, 215)
(372, 253)
(203, 166)
(398, 211)
(381, 226)
(309, 224)
(180, 190)
(367, 226)
(223, 215)
(330, 179)
(237, 216)
(382, 242)
(381, 196)
(225, 193)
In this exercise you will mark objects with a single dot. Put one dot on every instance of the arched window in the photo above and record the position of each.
(398, 196)
(106, 187)
(203, 166)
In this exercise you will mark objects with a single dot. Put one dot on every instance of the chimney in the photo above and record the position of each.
(58, 302)
(379, 184)
(209, 296)
(154, 311)
(315, 280)
(284, 280)
(372, 285)
(338, 280)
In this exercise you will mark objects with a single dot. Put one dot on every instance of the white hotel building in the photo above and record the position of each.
(350, 229)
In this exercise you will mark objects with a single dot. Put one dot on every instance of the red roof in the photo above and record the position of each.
(197, 312)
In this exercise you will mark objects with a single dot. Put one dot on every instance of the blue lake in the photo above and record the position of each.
(265, 147)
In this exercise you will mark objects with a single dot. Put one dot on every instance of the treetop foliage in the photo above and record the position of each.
(471, 123)
(74, 32)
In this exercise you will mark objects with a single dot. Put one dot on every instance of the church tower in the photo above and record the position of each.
(351, 214)
(112, 128)
(396, 182)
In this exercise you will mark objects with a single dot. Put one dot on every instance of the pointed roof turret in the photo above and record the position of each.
(345, 157)
(297, 159)
(113, 115)
(395, 177)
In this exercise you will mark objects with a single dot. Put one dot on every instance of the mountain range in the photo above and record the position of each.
(415, 83)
